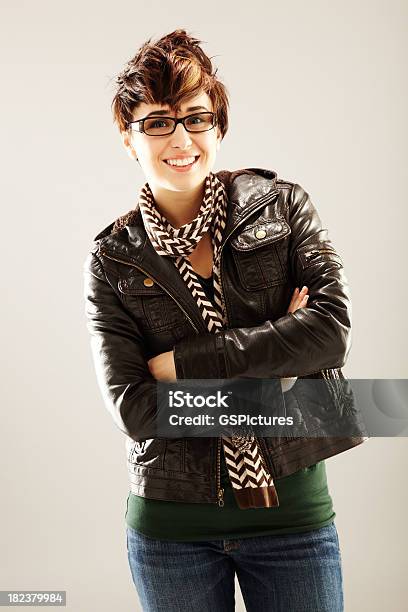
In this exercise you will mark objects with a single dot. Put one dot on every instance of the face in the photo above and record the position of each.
(152, 151)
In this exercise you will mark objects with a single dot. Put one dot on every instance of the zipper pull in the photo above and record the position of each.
(220, 497)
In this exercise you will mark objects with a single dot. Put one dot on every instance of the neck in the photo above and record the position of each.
(179, 207)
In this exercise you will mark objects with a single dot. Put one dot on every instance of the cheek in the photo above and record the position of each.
(155, 154)
(209, 150)
(208, 142)
(148, 151)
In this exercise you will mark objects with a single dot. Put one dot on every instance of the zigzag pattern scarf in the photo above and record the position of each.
(251, 481)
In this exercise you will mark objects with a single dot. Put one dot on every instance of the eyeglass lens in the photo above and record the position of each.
(159, 126)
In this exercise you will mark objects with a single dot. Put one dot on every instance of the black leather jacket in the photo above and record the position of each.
(137, 306)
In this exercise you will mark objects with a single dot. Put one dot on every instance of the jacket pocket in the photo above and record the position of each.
(153, 308)
(260, 252)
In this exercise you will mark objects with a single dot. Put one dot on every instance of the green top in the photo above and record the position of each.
(304, 504)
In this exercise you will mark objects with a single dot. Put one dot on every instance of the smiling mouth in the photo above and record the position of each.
(182, 166)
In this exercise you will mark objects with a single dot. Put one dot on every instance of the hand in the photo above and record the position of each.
(299, 299)
(162, 367)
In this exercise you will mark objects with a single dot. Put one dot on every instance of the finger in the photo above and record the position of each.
(294, 298)
(302, 303)
(299, 299)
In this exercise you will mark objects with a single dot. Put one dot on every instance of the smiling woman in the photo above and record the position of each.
(206, 278)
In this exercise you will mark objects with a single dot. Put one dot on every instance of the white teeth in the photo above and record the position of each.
(180, 162)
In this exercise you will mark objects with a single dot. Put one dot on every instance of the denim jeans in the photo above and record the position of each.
(299, 572)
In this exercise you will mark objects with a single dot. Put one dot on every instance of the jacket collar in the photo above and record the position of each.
(246, 189)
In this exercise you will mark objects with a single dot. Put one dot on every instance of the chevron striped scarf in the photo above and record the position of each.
(251, 481)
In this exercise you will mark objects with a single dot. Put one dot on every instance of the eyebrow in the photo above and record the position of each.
(164, 112)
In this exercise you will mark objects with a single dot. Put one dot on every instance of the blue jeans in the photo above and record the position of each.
(299, 572)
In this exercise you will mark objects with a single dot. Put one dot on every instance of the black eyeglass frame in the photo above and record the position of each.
(176, 122)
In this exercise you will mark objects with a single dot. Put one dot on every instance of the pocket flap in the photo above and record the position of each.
(261, 233)
(135, 285)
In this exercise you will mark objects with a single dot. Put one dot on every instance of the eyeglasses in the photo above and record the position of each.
(162, 126)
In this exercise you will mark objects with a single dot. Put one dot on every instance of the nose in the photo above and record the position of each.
(180, 137)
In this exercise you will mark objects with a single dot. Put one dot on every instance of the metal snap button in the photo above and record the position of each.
(148, 282)
(260, 233)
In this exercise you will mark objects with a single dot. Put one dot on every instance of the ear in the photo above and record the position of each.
(219, 138)
(128, 145)
(218, 143)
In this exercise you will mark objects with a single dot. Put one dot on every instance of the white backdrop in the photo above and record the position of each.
(324, 86)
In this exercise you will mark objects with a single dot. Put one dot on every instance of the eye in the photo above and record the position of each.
(157, 123)
(195, 119)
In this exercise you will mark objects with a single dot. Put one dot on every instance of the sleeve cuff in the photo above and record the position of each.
(201, 357)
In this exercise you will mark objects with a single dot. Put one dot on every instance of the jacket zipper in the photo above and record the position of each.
(220, 491)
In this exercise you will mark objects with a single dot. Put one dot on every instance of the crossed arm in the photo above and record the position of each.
(162, 367)
(303, 341)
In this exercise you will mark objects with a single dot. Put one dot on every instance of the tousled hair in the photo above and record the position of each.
(168, 72)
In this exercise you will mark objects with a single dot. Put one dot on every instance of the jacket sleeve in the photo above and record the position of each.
(300, 343)
(128, 389)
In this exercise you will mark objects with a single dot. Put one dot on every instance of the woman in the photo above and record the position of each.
(186, 285)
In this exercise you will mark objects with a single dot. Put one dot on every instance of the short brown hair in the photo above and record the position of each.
(173, 69)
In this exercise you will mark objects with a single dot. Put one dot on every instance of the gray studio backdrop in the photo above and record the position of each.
(319, 94)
